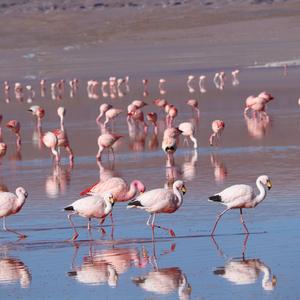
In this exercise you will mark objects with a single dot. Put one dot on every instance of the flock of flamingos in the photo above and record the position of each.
(98, 200)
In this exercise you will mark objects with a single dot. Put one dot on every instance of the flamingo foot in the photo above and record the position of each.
(22, 236)
(75, 236)
(172, 233)
(103, 232)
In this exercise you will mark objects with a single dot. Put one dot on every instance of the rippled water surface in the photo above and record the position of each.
(123, 262)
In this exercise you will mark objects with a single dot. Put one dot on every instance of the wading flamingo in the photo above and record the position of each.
(15, 127)
(106, 140)
(169, 143)
(217, 128)
(90, 207)
(11, 204)
(241, 196)
(188, 130)
(160, 201)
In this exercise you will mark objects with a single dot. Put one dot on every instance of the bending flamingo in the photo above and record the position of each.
(217, 127)
(106, 140)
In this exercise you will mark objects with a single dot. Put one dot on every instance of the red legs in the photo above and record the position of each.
(211, 139)
(218, 219)
(245, 245)
(89, 227)
(243, 222)
(21, 235)
(75, 235)
(169, 230)
(71, 155)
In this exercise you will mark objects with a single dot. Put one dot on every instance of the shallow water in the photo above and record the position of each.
(124, 263)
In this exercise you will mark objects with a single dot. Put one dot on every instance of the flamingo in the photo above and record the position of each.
(194, 104)
(189, 81)
(106, 140)
(111, 114)
(103, 108)
(50, 140)
(161, 87)
(161, 103)
(15, 127)
(11, 204)
(160, 201)
(139, 103)
(169, 143)
(188, 130)
(258, 103)
(172, 112)
(201, 84)
(152, 117)
(118, 187)
(136, 114)
(241, 196)
(217, 128)
(235, 80)
(90, 207)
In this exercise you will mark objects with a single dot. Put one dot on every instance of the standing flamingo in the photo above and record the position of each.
(3, 146)
(152, 117)
(11, 204)
(160, 201)
(106, 140)
(169, 143)
(111, 114)
(241, 196)
(217, 128)
(103, 108)
(15, 127)
(90, 207)
(188, 130)
(194, 104)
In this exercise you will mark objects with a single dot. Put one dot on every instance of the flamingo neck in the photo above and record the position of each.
(266, 281)
(20, 199)
(1, 138)
(108, 207)
(179, 196)
(131, 193)
(262, 193)
(62, 125)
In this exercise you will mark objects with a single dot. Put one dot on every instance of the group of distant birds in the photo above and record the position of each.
(100, 198)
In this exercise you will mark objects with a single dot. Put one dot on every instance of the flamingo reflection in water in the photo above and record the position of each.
(106, 265)
(220, 170)
(57, 183)
(244, 271)
(13, 270)
(257, 126)
(164, 281)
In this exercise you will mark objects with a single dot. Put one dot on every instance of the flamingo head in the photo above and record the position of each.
(61, 111)
(14, 126)
(140, 186)
(179, 185)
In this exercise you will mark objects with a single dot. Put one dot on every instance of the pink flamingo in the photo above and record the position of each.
(103, 108)
(171, 112)
(6, 87)
(189, 81)
(188, 130)
(15, 127)
(137, 115)
(139, 103)
(111, 114)
(235, 80)
(50, 140)
(106, 140)
(160, 201)
(152, 117)
(11, 204)
(194, 104)
(217, 128)
(37, 112)
(258, 103)
(118, 187)
(169, 143)
(62, 136)
(161, 87)
(201, 84)
(161, 103)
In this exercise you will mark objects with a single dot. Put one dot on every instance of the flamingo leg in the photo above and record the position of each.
(211, 139)
(89, 224)
(71, 155)
(243, 222)
(170, 231)
(75, 236)
(21, 235)
(218, 219)
(98, 156)
(111, 218)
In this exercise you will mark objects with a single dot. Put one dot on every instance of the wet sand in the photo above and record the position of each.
(119, 264)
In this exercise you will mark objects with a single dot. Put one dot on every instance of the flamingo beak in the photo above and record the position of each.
(183, 189)
(112, 200)
(269, 184)
(274, 280)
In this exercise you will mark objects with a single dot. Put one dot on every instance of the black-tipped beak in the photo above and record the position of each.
(269, 184)
(183, 190)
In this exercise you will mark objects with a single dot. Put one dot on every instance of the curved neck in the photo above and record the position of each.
(108, 207)
(179, 196)
(20, 199)
(262, 193)
(267, 276)
(131, 193)
(62, 122)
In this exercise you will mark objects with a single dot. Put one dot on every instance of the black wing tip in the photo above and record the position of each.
(216, 198)
(219, 271)
(133, 203)
(69, 208)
